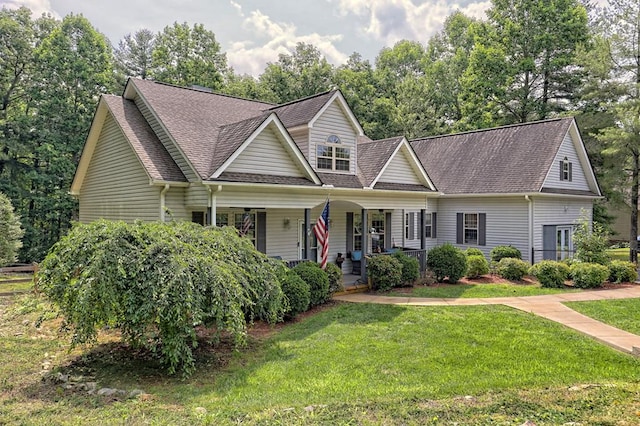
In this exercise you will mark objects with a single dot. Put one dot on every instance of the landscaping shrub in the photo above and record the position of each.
(410, 268)
(511, 268)
(500, 252)
(385, 272)
(156, 282)
(334, 273)
(621, 271)
(550, 273)
(472, 251)
(296, 292)
(317, 280)
(588, 275)
(447, 261)
(477, 265)
(590, 242)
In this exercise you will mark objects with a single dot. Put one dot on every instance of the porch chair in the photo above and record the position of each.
(356, 262)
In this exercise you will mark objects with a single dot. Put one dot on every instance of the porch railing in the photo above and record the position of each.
(420, 255)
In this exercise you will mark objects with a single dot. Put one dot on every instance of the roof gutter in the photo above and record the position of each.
(520, 194)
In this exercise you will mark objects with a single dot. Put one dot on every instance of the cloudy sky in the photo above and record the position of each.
(254, 32)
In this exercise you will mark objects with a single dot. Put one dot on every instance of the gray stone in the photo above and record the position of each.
(136, 392)
(107, 392)
(90, 386)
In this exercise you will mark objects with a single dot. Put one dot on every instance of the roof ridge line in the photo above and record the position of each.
(295, 101)
(380, 140)
(528, 123)
(203, 89)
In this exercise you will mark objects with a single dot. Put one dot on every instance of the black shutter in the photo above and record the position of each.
(261, 232)
(570, 172)
(412, 226)
(387, 231)
(434, 225)
(459, 228)
(349, 232)
(482, 229)
(561, 170)
(549, 242)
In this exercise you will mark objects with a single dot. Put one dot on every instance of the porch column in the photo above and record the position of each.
(365, 245)
(423, 239)
(307, 224)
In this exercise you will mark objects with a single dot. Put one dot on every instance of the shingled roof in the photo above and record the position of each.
(194, 118)
(152, 154)
(373, 155)
(511, 159)
(301, 111)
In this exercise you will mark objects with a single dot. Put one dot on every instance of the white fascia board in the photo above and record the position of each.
(89, 146)
(518, 194)
(345, 107)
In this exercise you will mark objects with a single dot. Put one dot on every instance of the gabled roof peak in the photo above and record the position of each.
(295, 101)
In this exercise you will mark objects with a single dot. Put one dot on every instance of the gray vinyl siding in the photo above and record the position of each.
(557, 211)
(197, 196)
(507, 222)
(266, 155)
(399, 170)
(116, 186)
(166, 140)
(578, 181)
(398, 220)
(301, 138)
(333, 122)
(174, 201)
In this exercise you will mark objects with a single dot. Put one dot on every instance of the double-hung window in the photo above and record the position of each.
(566, 170)
(428, 226)
(332, 155)
(471, 228)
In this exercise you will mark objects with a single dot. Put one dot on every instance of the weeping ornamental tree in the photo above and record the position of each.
(157, 282)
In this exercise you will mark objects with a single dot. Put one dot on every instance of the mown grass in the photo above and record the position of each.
(349, 364)
(621, 314)
(25, 284)
(619, 254)
(449, 291)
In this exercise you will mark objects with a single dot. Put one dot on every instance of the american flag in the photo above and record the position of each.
(321, 229)
(246, 224)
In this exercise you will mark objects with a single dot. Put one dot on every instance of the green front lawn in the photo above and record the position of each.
(455, 291)
(349, 364)
(618, 254)
(621, 314)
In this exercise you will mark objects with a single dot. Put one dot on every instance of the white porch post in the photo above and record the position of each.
(365, 245)
(307, 229)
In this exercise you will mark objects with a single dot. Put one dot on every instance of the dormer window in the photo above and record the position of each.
(332, 156)
(566, 170)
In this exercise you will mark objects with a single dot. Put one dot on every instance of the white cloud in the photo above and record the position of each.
(237, 7)
(38, 7)
(392, 20)
(279, 38)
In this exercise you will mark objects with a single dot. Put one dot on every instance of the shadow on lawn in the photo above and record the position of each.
(220, 367)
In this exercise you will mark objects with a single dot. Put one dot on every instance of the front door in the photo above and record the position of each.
(313, 242)
(564, 245)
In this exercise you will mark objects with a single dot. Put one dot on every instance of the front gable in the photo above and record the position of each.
(571, 169)
(404, 167)
(269, 150)
(334, 119)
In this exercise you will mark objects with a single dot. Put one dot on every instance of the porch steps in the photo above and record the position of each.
(352, 289)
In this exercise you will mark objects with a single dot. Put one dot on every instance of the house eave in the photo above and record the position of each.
(520, 194)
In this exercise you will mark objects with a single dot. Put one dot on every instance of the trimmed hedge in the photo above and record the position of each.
(385, 272)
(296, 292)
(477, 265)
(621, 271)
(472, 251)
(447, 261)
(588, 275)
(410, 267)
(513, 269)
(334, 273)
(500, 252)
(550, 274)
(317, 279)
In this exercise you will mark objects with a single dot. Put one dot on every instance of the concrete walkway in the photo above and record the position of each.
(548, 306)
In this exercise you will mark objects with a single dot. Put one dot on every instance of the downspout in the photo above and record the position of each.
(162, 201)
(213, 204)
(526, 197)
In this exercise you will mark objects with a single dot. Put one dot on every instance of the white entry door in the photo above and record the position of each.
(313, 242)
(564, 245)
